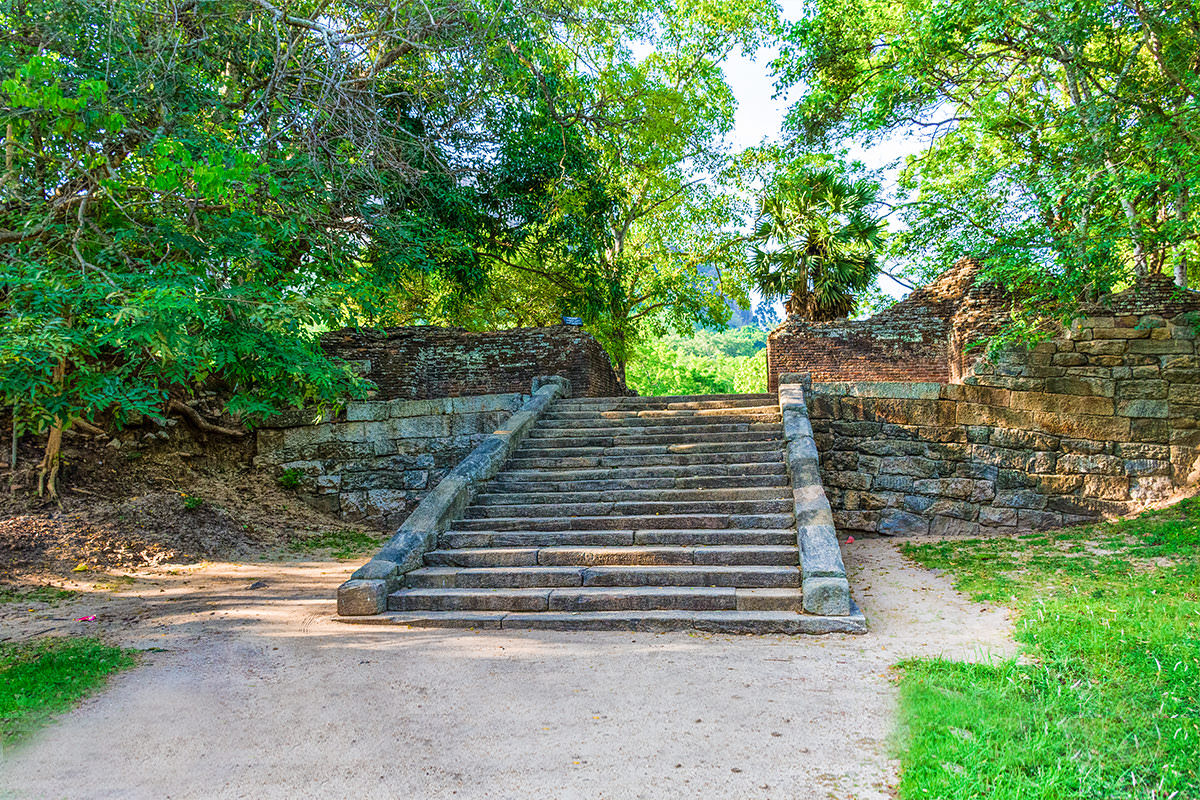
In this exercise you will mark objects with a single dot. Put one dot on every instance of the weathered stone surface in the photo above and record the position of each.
(362, 598)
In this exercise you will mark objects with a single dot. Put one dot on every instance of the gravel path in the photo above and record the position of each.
(257, 693)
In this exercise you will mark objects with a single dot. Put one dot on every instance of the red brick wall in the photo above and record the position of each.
(921, 338)
(421, 362)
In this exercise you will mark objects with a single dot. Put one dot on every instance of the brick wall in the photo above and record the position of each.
(921, 338)
(376, 461)
(1102, 420)
(422, 362)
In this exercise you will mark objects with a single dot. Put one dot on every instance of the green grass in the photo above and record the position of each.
(41, 678)
(1105, 700)
(340, 544)
(34, 594)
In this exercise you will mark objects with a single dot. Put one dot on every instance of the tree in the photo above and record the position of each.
(1061, 144)
(815, 242)
(192, 191)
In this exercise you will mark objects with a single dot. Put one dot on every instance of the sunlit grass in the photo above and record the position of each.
(44, 677)
(1105, 701)
(343, 544)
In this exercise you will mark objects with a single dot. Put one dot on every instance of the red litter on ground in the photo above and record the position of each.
(849, 540)
(92, 618)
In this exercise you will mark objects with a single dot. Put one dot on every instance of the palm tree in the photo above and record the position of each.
(815, 243)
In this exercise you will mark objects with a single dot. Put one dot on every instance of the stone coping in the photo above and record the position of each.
(367, 590)
(825, 588)
(890, 390)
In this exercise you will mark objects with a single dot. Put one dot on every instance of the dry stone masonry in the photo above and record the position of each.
(376, 460)
(1101, 420)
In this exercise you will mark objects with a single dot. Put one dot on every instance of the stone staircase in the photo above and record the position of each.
(645, 513)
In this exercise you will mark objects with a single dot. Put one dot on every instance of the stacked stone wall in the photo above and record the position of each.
(1100, 421)
(424, 362)
(377, 460)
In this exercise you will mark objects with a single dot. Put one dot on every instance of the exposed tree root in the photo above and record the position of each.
(200, 423)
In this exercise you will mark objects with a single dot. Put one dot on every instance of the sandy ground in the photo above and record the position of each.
(258, 693)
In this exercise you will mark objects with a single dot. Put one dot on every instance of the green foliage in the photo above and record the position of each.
(1061, 140)
(34, 594)
(343, 544)
(728, 362)
(815, 242)
(289, 479)
(44, 677)
(1103, 702)
(191, 502)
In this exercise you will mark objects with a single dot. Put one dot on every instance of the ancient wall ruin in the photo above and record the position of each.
(1099, 421)
(424, 362)
(924, 337)
(375, 461)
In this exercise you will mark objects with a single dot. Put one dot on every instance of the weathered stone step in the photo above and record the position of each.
(677, 472)
(662, 420)
(631, 555)
(644, 522)
(583, 598)
(725, 622)
(570, 439)
(672, 403)
(459, 539)
(752, 576)
(618, 484)
(575, 462)
(633, 508)
(562, 448)
(497, 495)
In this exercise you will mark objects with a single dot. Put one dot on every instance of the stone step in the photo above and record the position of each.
(458, 539)
(672, 403)
(564, 439)
(549, 484)
(630, 555)
(625, 509)
(788, 622)
(661, 427)
(662, 420)
(752, 576)
(558, 448)
(497, 495)
(673, 471)
(575, 462)
(584, 598)
(695, 521)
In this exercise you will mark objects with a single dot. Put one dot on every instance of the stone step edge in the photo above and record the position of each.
(723, 622)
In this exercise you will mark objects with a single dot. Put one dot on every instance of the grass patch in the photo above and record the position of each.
(34, 594)
(344, 544)
(41, 678)
(1106, 699)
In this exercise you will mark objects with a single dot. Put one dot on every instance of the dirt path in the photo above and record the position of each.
(257, 693)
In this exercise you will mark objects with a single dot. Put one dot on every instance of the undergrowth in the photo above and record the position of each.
(342, 544)
(34, 594)
(1104, 701)
(41, 678)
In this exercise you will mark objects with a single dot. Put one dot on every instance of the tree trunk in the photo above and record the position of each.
(51, 457)
(1181, 266)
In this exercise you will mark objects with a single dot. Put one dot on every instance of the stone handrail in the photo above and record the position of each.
(825, 587)
(367, 590)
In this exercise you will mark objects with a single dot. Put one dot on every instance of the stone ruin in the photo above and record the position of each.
(919, 434)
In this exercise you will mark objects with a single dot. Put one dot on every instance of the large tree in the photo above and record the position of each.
(1059, 142)
(192, 190)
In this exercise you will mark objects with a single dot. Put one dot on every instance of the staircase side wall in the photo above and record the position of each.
(1101, 421)
(376, 461)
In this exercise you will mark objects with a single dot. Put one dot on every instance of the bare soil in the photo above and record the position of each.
(161, 494)
(248, 687)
